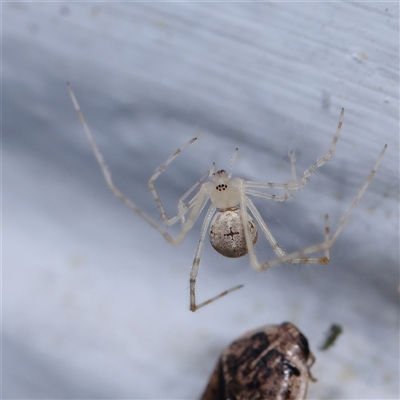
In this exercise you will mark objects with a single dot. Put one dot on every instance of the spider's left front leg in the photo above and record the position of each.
(196, 265)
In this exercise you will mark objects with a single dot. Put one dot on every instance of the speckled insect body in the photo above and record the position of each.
(272, 362)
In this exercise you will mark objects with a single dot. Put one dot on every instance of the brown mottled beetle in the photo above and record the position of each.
(272, 362)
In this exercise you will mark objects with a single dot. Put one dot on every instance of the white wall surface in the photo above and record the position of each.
(95, 302)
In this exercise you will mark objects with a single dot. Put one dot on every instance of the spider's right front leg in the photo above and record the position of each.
(196, 265)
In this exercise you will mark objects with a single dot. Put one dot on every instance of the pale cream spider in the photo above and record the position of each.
(233, 232)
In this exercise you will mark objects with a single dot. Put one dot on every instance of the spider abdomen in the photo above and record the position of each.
(227, 233)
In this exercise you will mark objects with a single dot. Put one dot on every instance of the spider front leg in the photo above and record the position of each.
(197, 203)
(182, 206)
(196, 265)
(289, 187)
(107, 175)
(294, 184)
(320, 162)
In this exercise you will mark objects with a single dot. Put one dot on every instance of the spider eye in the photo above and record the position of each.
(221, 187)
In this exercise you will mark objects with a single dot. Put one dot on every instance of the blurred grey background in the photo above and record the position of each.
(95, 301)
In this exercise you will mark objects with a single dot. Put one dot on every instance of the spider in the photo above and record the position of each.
(233, 232)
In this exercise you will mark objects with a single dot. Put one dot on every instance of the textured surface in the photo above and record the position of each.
(271, 362)
(95, 302)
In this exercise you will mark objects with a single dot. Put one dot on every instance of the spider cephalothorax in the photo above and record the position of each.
(224, 192)
(233, 232)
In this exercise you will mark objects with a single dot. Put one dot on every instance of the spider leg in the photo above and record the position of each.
(202, 198)
(268, 196)
(294, 184)
(197, 203)
(277, 248)
(360, 193)
(107, 174)
(327, 155)
(182, 207)
(249, 243)
(289, 187)
(329, 241)
(244, 203)
(196, 265)
(274, 244)
(316, 260)
(233, 159)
